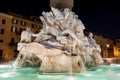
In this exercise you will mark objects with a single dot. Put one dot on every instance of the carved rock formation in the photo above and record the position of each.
(61, 45)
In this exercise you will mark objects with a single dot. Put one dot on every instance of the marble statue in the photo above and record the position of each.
(26, 35)
(60, 46)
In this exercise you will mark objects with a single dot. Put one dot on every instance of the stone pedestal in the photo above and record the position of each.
(61, 4)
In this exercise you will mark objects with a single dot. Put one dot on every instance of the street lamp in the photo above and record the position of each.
(107, 46)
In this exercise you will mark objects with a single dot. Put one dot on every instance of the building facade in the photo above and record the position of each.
(117, 48)
(106, 45)
(11, 26)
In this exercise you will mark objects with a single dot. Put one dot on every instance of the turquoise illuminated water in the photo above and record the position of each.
(110, 72)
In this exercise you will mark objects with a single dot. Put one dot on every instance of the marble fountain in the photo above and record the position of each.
(60, 51)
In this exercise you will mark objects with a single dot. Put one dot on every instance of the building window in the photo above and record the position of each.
(2, 31)
(1, 41)
(23, 23)
(32, 25)
(3, 21)
(13, 29)
(21, 29)
(15, 53)
(14, 21)
(1, 53)
(12, 40)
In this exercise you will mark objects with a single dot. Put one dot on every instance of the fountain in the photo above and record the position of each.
(60, 51)
(60, 46)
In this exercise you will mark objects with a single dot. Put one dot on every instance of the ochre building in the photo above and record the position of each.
(11, 26)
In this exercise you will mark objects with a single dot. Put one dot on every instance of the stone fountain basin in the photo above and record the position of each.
(47, 59)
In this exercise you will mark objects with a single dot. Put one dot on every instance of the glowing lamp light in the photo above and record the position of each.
(107, 45)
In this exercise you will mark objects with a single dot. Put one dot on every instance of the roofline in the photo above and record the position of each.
(6, 15)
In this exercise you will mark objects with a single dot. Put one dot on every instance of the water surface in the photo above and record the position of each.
(108, 72)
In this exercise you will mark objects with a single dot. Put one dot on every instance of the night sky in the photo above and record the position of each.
(99, 16)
